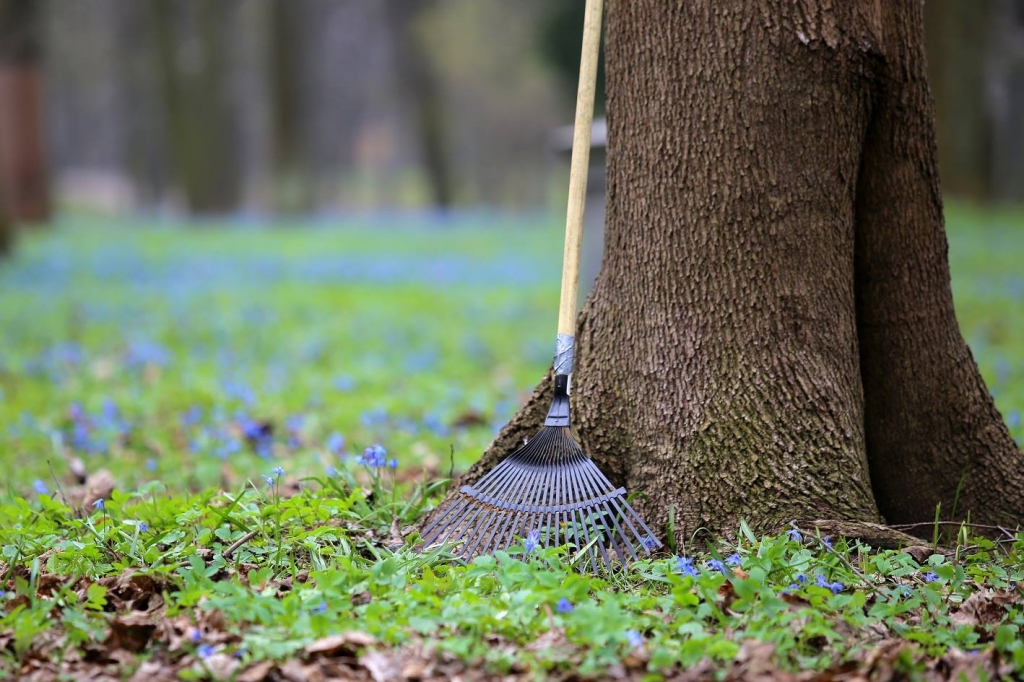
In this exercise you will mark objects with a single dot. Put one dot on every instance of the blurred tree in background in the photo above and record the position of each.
(561, 42)
(22, 161)
(214, 106)
(976, 63)
(258, 106)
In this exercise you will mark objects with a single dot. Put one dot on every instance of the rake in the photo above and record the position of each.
(549, 492)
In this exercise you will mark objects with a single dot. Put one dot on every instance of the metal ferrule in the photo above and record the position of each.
(565, 348)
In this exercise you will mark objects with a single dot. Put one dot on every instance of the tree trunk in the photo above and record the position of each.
(22, 151)
(6, 228)
(771, 336)
(421, 91)
(191, 44)
(289, 59)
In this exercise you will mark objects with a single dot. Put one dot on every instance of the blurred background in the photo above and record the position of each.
(263, 107)
(249, 230)
(280, 106)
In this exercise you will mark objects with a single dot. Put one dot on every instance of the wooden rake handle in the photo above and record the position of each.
(578, 168)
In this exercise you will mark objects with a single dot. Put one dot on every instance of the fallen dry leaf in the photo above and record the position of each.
(346, 643)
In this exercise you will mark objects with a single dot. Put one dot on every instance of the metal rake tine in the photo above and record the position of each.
(589, 471)
(543, 460)
(579, 495)
(512, 515)
(558, 500)
(491, 516)
(434, 531)
(626, 514)
(584, 494)
(545, 493)
(550, 501)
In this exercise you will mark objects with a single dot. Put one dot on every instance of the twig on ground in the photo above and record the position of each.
(238, 543)
(1010, 535)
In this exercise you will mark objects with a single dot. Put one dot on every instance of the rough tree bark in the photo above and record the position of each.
(772, 335)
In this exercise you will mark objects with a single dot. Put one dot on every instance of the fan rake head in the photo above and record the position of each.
(550, 492)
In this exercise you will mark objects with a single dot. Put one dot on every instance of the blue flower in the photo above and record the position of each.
(320, 608)
(40, 487)
(151, 464)
(195, 635)
(98, 503)
(685, 566)
(269, 479)
(828, 541)
(716, 565)
(794, 535)
(564, 606)
(392, 463)
(277, 471)
(332, 472)
(143, 526)
(205, 650)
(822, 581)
(650, 543)
(335, 442)
(930, 577)
(192, 417)
(634, 638)
(374, 456)
(801, 578)
(532, 538)
(733, 559)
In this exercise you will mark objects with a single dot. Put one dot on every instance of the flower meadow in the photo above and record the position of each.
(218, 439)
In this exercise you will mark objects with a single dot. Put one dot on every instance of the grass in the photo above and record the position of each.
(215, 388)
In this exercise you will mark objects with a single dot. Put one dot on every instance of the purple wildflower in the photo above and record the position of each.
(733, 559)
(335, 443)
(532, 538)
(930, 577)
(98, 504)
(716, 565)
(392, 463)
(205, 650)
(564, 606)
(794, 535)
(634, 638)
(40, 487)
(685, 566)
(373, 457)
